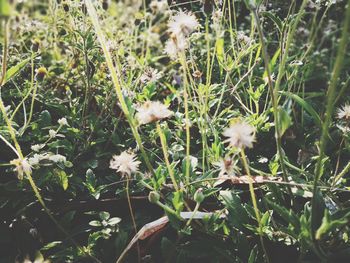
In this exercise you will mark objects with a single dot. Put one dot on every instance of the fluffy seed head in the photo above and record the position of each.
(125, 163)
(344, 112)
(183, 23)
(240, 135)
(152, 111)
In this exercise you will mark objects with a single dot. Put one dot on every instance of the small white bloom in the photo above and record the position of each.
(150, 75)
(240, 135)
(152, 111)
(183, 23)
(35, 160)
(175, 45)
(344, 112)
(52, 133)
(63, 122)
(57, 158)
(37, 147)
(124, 163)
(22, 167)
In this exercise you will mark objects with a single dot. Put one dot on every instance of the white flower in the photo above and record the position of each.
(22, 167)
(57, 158)
(52, 133)
(159, 6)
(124, 163)
(183, 23)
(37, 147)
(152, 111)
(150, 75)
(240, 135)
(175, 45)
(63, 122)
(344, 112)
(35, 160)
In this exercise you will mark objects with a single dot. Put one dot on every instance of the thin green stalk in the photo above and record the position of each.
(187, 119)
(5, 52)
(166, 158)
(255, 203)
(331, 95)
(274, 98)
(132, 217)
(341, 174)
(115, 79)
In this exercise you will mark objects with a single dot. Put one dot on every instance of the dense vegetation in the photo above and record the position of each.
(174, 131)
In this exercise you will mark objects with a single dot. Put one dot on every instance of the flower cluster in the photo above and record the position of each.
(180, 27)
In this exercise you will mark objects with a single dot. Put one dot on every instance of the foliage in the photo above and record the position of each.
(116, 113)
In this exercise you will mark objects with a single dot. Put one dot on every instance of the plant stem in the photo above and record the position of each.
(187, 120)
(274, 97)
(166, 158)
(132, 217)
(331, 95)
(255, 204)
(115, 74)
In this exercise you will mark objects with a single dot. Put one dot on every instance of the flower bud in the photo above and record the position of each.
(153, 197)
(41, 73)
(199, 196)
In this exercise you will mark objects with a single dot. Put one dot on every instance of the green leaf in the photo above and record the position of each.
(95, 223)
(306, 106)
(288, 215)
(178, 201)
(220, 49)
(63, 178)
(253, 257)
(13, 71)
(5, 8)
(275, 19)
(238, 215)
(114, 220)
(318, 211)
(285, 120)
(104, 215)
(329, 224)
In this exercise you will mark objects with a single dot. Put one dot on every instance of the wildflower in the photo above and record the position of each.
(57, 158)
(52, 133)
(183, 24)
(63, 122)
(152, 111)
(37, 147)
(125, 163)
(344, 112)
(150, 75)
(35, 160)
(176, 45)
(240, 135)
(22, 167)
